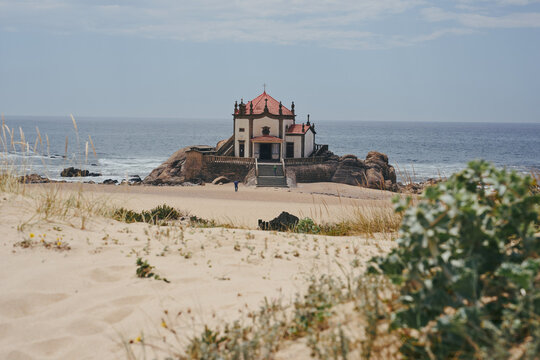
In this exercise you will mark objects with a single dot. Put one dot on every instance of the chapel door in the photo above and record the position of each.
(241, 150)
(290, 150)
(265, 151)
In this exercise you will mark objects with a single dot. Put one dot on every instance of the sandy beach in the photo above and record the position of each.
(82, 302)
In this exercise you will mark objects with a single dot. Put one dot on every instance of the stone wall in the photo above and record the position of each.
(312, 173)
(232, 171)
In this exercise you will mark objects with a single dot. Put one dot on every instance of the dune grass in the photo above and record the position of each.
(49, 202)
(335, 318)
(365, 220)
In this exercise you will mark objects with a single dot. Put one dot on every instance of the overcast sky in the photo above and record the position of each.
(411, 60)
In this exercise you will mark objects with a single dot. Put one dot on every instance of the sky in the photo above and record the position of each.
(365, 60)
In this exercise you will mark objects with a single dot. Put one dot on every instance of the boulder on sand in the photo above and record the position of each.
(283, 222)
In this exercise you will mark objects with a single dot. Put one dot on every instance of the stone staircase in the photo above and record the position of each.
(266, 176)
(227, 148)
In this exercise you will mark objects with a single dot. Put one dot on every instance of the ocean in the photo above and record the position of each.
(135, 146)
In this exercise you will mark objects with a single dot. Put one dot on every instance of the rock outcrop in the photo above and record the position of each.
(374, 172)
(73, 172)
(189, 165)
(170, 172)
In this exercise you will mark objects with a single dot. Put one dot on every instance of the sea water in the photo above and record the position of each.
(134, 146)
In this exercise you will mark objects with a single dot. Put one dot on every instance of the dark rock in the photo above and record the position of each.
(135, 180)
(221, 180)
(33, 179)
(73, 172)
(110, 182)
(283, 222)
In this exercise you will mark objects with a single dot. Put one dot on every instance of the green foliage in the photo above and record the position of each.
(159, 214)
(145, 270)
(202, 223)
(468, 265)
(128, 216)
(307, 226)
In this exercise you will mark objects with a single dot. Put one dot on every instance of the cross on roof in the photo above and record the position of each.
(264, 87)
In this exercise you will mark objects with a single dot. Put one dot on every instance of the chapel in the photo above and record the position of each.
(265, 129)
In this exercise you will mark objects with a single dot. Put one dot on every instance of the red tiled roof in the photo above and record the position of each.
(297, 129)
(259, 103)
(267, 139)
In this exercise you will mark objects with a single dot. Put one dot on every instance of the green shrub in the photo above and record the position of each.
(128, 216)
(160, 213)
(468, 266)
(145, 270)
(307, 226)
(156, 215)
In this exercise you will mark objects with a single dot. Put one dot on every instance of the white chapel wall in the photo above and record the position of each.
(297, 140)
(309, 143)
(238, 135)
(258, 124)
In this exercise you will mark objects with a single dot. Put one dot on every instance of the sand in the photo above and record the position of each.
(83, 302)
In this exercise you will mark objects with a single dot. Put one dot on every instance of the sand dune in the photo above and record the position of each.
(80, 303)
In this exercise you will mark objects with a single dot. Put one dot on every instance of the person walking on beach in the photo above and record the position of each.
(236, 185)
(275, 170)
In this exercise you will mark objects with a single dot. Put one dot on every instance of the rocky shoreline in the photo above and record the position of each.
(374, 172)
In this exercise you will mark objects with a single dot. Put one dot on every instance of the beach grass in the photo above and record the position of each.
(336, 317)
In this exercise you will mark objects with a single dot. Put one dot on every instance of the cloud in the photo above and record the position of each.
(475, 20)
(343, 24)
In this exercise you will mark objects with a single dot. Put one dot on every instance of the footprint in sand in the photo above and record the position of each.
(111, 306)
(108, 274)
(51, 346)
(84, 327)
(18, 355)
(129, 300)
(28, 304)
(117, 315)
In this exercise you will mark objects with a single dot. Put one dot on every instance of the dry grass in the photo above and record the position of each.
(47, 202)
(366, 220)
(334, 318)
(370, 218)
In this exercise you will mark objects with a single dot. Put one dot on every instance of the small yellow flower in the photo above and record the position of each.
(58, 243)
(138, 339)
(32, 235)
(163, 324)
(42, 240)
